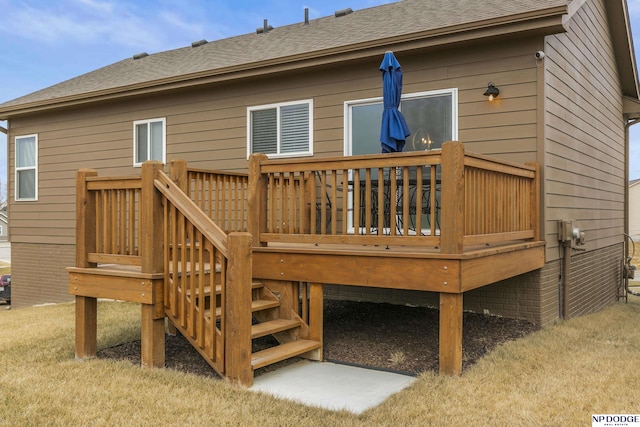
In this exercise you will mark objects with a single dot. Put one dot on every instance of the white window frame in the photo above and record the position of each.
(148, 122)
(24, 168)
(278, 106)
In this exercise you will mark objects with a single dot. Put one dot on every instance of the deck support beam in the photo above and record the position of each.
(152, 338)
(237, 311)
(315, 321)
(86, 327)
(450, 334)
(152, 261)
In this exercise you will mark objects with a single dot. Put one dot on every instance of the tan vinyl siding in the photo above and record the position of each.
(584, 132)
(634, 210)
(207, 127)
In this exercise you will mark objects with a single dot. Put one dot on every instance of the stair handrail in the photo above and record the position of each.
(231, 357)
(190, 210)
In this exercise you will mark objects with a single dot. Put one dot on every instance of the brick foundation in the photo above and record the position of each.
(533, 296)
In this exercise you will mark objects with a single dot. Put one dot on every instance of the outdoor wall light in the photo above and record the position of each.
(492, 91)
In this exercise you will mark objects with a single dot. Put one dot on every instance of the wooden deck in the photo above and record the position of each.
(444, 221)
(392, 267)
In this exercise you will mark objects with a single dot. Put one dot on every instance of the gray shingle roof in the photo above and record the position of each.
(358, 28)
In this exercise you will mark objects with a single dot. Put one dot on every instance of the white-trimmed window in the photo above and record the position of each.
(149, 141)
(281, 130)
(26, 168)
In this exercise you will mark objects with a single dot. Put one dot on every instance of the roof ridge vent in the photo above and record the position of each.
(265, 28)
(140, 55)
(343, 12)
(199, 43)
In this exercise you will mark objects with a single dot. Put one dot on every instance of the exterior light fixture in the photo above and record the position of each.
(492, 91)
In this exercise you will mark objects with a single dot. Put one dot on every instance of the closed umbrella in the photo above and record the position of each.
(394, 128)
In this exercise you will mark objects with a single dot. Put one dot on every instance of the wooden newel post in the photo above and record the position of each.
(535, 201)
(316, 308)
(178, 173)
(85, 218)
(86, 307)
(257, 203)
(151, 253)
(237, 310)
(453, 209)
(452, 242)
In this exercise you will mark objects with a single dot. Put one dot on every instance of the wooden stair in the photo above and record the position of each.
(273, 320)
(256, 305)
(273, 326)
(285, 328)
(281, 352)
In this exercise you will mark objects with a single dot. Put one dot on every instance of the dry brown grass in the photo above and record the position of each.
(556, 377)
(5, 268)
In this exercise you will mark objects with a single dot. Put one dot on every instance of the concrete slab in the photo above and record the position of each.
(332, 386)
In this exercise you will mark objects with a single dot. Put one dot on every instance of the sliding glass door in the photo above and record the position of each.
(432, 118)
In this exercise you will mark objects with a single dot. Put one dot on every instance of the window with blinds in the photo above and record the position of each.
(281, 130)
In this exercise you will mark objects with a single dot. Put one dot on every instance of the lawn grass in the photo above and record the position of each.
(5, 268)
(558, 376)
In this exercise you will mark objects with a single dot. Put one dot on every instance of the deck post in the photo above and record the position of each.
(257, 202)
(453, 209)
(316, 303)
(179, 173)
(450, 334)
(86, 307)
(86, 327)
(151, 253)
(152, 338)
(85, 219)
(237, 310)
(451, 242)
(535, 202)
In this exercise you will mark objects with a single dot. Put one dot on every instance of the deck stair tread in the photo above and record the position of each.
(187, 267)
(256, 305)
(281, 352)
(254, 285)
(272, 327)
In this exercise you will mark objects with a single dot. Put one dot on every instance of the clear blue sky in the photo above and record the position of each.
(43, 42)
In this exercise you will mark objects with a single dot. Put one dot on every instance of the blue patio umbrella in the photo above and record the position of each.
(394, 128)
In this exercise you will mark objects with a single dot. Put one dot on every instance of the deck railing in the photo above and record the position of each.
(150, 222)
(443, 198)
(359, 199)
(501, 200)
(221, 195)
(108, 218)
(207, 282)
